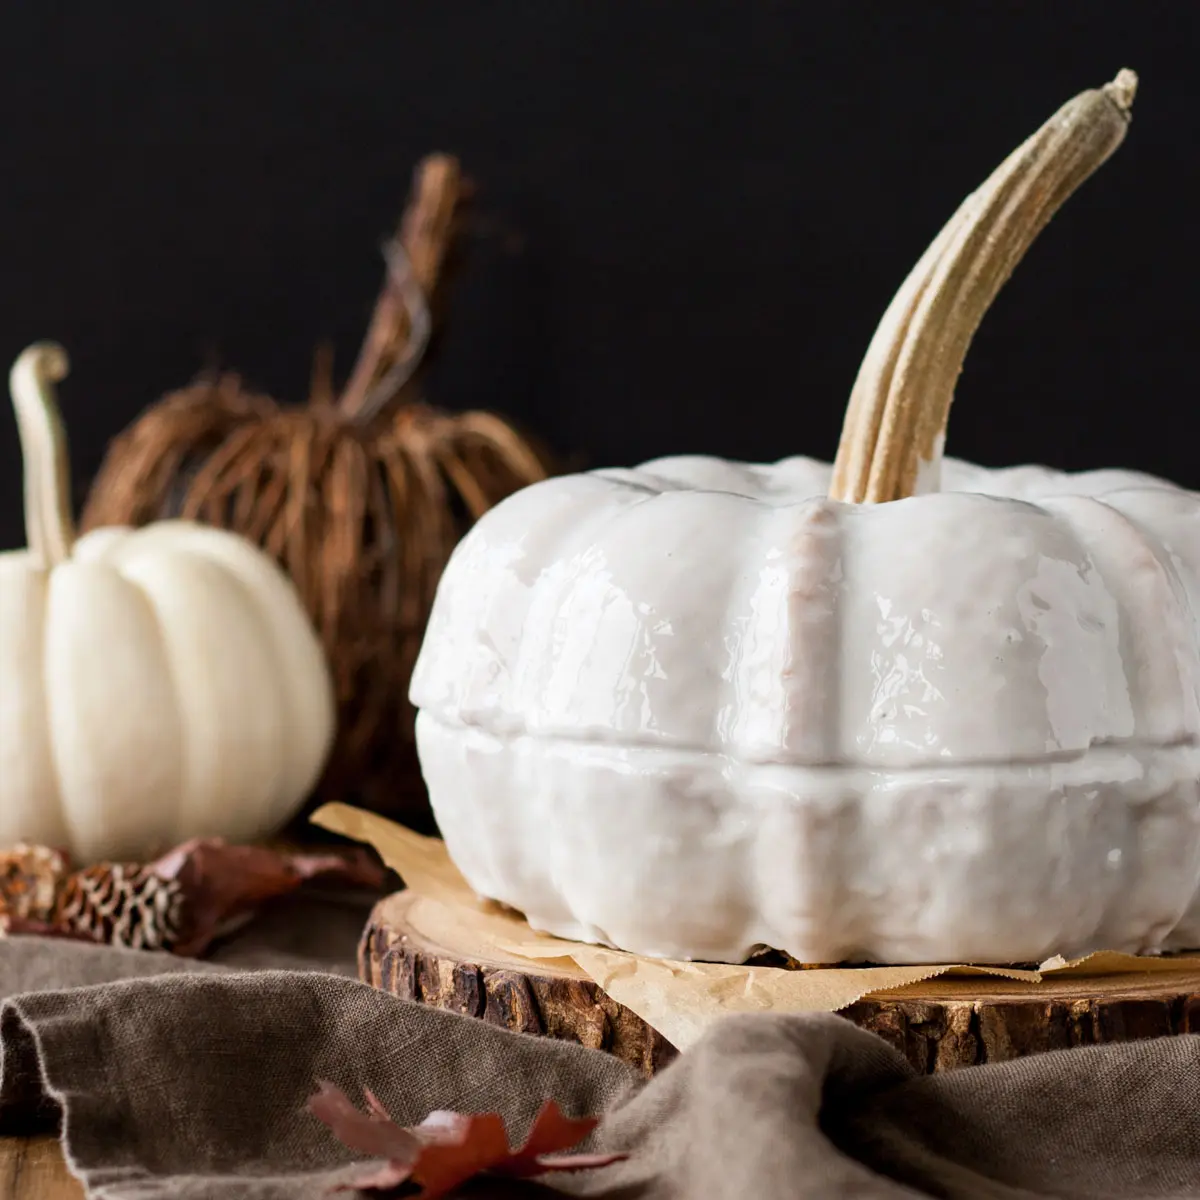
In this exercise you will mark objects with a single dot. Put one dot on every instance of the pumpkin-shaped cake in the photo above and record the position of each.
(895, 710)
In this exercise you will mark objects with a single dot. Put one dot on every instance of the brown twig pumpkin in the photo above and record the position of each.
(360, 497)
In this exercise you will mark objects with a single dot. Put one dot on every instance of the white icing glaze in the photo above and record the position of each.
(695, 707)
(929, 471)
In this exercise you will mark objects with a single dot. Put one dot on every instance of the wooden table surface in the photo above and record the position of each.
(33, 1169)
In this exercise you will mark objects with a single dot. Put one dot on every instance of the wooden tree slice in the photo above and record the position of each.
(404, 950)
(408, 949)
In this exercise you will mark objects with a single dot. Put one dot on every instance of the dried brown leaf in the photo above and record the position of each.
(221, 882)
(179, 903)
(372, 1133)
(449, 1148)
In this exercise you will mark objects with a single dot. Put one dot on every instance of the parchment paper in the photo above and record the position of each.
(681, 999)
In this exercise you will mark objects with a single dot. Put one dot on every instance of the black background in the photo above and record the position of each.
(692, 213)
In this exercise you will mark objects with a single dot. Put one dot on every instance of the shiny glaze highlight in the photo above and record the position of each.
(696, 706)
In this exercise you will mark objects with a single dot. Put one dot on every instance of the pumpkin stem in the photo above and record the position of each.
(891, 444)
(49, 528)
(400, 325)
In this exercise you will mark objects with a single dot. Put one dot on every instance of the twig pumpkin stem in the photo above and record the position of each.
(49, 527)
(415, 261)
(895, 425)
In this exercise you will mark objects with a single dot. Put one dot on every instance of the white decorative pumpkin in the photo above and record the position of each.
(702, 706)
(155, 684)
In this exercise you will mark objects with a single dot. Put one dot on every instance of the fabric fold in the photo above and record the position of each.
(174, 1080)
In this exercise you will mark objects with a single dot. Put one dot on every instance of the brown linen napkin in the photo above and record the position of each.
(191, 1084)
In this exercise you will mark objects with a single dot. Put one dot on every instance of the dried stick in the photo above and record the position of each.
(424, 239)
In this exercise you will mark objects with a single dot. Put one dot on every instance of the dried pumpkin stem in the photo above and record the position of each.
(891, 444)
(49, 527)
(414, 269)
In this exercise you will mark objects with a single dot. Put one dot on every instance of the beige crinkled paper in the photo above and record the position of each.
(680, 999)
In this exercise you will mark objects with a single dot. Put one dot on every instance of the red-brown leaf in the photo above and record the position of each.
(222, 881)
(180, 902)
(552, 1131)
(373, 1132)
(448, 1148)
